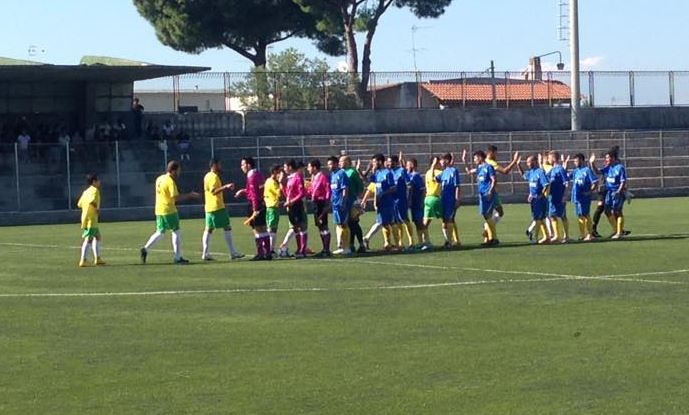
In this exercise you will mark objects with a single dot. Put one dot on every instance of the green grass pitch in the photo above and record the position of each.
(595, 328)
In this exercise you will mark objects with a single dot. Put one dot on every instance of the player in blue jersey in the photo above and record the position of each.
(538, 189)
(384, 184)
(559, 181)
(449, 199)
(340, 203)
(485, 181)
(584, 183)
(401, 197)
(417, 194)
(615, 176)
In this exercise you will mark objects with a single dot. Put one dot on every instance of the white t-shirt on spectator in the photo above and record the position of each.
(23, 140)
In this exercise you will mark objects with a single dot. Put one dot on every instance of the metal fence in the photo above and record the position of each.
(51, 177)
(277, 91)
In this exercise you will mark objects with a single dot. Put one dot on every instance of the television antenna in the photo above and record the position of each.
(414, 49)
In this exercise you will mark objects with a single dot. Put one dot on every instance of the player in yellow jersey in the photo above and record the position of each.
(167, 218)
(272, 193)
(216, 214)
(89, 202)
(432, 206)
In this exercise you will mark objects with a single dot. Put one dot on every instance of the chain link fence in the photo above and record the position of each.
(279, 91)
(51, 177)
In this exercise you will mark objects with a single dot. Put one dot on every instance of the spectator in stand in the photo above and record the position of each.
(138, 117)
(23, 141)
(169, 130)
(183, 145)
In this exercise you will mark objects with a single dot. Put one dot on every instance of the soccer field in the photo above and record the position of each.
(597, 327)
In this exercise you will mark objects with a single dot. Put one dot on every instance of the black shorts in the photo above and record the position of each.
(297, 214)
(320, 214)
(602, 193)
(260, 220)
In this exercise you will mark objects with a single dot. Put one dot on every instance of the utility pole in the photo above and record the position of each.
(574, 50)
(492, 83)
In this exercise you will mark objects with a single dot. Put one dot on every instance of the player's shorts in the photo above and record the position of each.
(602, 193)
(297, 214)
(486, 204)
(432, 208)
(341, 214)
(260, 220)
(449, 208)
(539, 208)
(167, 222)
(614, 202)
(272, 217)
(497, 201)
(320, 214)
(385, 215)
(582, 207)
(90, 233)
(417, 214)
(556, 209)
(218, 219)
(401, 212)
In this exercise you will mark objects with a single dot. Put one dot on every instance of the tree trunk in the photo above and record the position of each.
(261, 77)
(363, 91)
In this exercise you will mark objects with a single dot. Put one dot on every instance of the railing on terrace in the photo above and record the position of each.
(278, 91)
(51, 177)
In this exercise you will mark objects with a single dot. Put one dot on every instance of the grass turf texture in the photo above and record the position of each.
(525, 329)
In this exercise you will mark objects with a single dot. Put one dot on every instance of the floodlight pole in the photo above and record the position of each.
(574, 50)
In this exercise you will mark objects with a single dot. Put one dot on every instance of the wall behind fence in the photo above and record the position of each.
(50, 177)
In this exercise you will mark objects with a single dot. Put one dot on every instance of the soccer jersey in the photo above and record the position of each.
(254, 182)
(546, 167)
(485, 176)
(295, 190)
(356, 186)
(492, 163)
(338, 183)
(615, 175)
(384, 181)
(89, 202)
(417, 190)
(537, 181)
(432, 186)
(272, 193)
(213, 202)
(558, 182)
(320, 187)
(583, 179)
(449, 182)
(166, 192)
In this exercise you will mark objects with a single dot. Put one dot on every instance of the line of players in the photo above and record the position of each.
(402, 198)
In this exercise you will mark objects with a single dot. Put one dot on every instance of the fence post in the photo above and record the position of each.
(592, 89)
(373, 90)
(631, 88)
(588, 143)
(387, 138)
(16, 175)
(662, 161)
(471, 151)
(69, 177)
(671, 78)
(507, 89)
(165, 155)
(258, 153)
(511, 153)
(303, 149)
(325, 90)
(430, 146)
(624, 145)
(346, 145)
(117, 170)
(212, 147)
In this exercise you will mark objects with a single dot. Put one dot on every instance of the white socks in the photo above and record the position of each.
(177, 244)
(153, 240)
(205, 243)
(85, 249)
(288, 237)
(230, 243)
(95, 245)
(374, 230)
(447, 239)
(532, 226)
(273, 236)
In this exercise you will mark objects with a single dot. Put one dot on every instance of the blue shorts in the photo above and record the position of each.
(401, 212)
(583, 207)
(614, 202)
(486, 204)
(556, 209)
(341, 214)
(539, 208)
(417, 214)
(449, 208)
(385, 215)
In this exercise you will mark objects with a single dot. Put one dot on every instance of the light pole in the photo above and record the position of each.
(574, 50)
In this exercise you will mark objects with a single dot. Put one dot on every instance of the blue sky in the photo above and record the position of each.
(615, 35)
